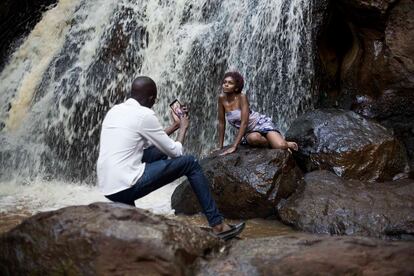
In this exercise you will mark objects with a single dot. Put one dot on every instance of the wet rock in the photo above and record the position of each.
(394, 109)
(399, 38)
(302, 254)
(374, 10)
(246, 184)
(372, 53)
(347, 144)
(102, 239)
(389, 76)
(330, 204)
(367, 63)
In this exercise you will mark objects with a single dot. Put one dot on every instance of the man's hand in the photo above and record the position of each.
(184, 122)
(175, 124)
(184, 108)
(175, 118)
(180, 123)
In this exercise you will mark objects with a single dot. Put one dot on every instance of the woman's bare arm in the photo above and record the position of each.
(221, 122)
(244, 106)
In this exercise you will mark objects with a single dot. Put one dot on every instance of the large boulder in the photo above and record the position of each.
(246, 184)
(347, 144)
(102, 239)
(394, 109)
(302, 254)
(330, 204)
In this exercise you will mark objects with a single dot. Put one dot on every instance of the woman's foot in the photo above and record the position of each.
(293, 145)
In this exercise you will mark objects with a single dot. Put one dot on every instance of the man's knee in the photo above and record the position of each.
(191, 160)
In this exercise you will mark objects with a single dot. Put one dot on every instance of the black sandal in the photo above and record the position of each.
(235, 230)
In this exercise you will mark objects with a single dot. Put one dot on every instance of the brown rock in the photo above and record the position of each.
(394, 109)
(303, 254)
(102, 239)
(380, 6)
(399, 38)
(347, 144)
(367, 63)
(330, 204)
(245, 184)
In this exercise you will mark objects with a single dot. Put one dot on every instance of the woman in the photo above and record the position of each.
(256, 129)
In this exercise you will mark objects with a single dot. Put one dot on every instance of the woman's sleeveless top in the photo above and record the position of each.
(257, 122)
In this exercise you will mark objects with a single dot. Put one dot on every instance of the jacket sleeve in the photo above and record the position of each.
(151, 130)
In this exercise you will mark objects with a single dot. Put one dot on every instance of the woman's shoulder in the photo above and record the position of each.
(221, 97)
(243, 98)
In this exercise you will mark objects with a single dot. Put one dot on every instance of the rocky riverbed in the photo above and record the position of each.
(108, 239)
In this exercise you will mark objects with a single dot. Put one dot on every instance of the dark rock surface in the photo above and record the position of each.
(375, 53)
(330, 204)
(246, 184)
(366, 52)
(347, 144)
(102, 239)
(302, 254)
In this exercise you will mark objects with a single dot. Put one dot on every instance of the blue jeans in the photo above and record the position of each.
(160, 171)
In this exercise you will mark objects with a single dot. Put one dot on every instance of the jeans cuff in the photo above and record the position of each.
(216, 221)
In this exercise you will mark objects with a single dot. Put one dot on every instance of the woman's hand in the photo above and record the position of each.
(216, 150)
(229, 150)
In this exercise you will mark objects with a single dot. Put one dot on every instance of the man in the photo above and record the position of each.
(129, 168)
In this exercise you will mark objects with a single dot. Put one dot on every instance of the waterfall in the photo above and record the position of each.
(81, 58)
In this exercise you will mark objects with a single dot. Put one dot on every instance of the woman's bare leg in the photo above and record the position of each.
(257, 140)
(277, 141)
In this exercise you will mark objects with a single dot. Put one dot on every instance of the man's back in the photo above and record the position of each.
(121, 146)
(127, 129)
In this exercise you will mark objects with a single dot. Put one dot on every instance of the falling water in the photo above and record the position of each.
(82, 56)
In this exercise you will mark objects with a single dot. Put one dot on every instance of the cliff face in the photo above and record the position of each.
(366, 52)
(17, 18)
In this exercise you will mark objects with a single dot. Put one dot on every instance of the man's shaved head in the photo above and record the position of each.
(144, 90)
